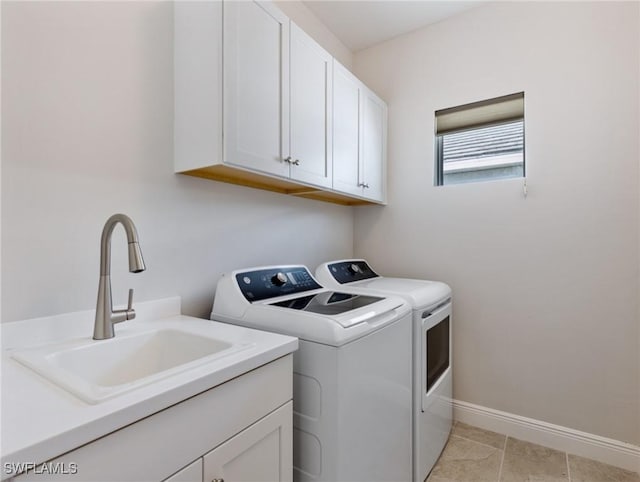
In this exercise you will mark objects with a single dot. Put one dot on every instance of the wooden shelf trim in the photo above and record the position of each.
(238, 176)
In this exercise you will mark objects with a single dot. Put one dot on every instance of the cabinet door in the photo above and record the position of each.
(262, 452)
(197, 44)
(256, 86)
(347, 148)
(311, 81)
(191, 473)
(374, 146)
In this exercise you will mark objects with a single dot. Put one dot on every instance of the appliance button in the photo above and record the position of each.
(279, 279)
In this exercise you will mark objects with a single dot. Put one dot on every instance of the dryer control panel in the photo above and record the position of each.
(276, 281)
(351, 270)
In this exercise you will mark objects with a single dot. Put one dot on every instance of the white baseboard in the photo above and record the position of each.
(606, 450)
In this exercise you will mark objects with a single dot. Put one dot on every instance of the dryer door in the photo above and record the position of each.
(435, 348)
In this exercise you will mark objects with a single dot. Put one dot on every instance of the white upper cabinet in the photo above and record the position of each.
(374, 147)
(347, 118)
(197, 123)
(256, 86)
(257, 103)
(311, 81)
(359, 137)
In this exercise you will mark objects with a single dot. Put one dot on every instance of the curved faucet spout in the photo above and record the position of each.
(136, 263)
(106, 317)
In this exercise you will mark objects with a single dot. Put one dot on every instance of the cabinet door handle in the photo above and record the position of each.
(217, 480)
(364, 185)
(288, 160)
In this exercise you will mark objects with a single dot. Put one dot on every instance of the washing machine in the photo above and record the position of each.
(431, 351)
(352, 371)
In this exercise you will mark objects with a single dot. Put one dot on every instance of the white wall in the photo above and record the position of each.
(546, 288)
(87, 113)
(307, 21)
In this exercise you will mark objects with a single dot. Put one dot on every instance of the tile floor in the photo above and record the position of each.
(476, 455)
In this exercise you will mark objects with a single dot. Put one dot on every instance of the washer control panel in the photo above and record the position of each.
(276, 281)
(353, 270)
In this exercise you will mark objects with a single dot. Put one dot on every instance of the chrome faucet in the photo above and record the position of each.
(106, 317)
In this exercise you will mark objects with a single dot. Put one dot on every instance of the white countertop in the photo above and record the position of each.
(41, 421)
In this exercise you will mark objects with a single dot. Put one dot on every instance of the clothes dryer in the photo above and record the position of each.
(431, 350)
(352, 371)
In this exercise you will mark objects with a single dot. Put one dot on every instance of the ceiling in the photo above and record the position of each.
(362, 23)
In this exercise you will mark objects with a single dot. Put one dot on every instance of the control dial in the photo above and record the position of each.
(355, 269)
(279, 279)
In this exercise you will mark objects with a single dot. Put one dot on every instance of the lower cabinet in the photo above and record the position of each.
(241, 430)
(191, 473)
(261, 452)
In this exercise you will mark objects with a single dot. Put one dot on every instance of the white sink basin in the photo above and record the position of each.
(98, 370)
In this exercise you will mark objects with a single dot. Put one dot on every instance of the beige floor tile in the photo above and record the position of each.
(476, 434)
(527, 462)
(587, 470)
(466, 461)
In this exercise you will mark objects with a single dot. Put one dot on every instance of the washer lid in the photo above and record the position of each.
(355, 275)
(328, 302)
(420, 293)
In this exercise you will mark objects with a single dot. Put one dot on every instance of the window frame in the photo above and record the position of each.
(439, 137)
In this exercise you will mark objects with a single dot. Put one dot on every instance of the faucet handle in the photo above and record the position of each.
(131, 313)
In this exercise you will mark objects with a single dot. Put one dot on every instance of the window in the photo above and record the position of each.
(480, 141)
